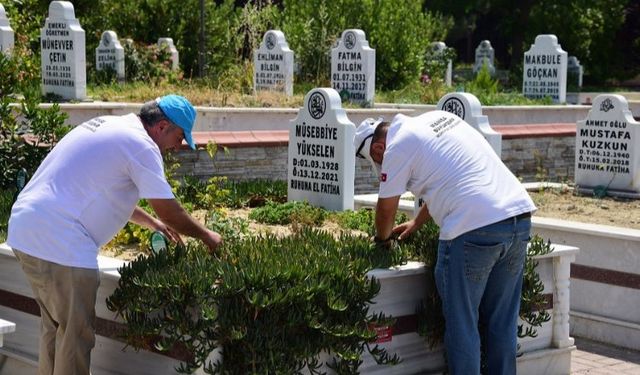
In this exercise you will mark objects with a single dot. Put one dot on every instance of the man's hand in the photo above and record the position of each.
(175, 217)
(405, 229)
(212, 240)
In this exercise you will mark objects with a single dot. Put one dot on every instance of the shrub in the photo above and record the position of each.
(271, 304)
(148, 63)
(396, 30)
(286, 213)
(20, 114)
(6, 201)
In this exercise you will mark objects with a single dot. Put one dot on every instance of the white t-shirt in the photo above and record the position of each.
(86, 189)
(446, 162)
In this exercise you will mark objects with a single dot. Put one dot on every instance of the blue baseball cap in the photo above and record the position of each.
(178, 109)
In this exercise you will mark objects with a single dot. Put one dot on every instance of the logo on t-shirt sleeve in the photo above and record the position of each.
(383, 177)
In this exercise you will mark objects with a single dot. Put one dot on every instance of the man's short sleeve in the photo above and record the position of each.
(396, 172)
(147, 172)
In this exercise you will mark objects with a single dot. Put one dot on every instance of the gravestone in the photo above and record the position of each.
(485, 55)
(574, 72)
(62, 42)
(438, 49)
(6, 32)
(545, 70)
(608, 149)
(168, 43)
(273, 64)
(321, 158)
(353, 68)
(468, 107)
(110, 54)
(574, 80)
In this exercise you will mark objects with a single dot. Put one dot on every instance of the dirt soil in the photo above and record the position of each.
(564, 204)
(560, 203)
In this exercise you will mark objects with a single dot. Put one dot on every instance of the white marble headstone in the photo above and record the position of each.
(321, 159)
(6, 32)
(468, 107)
(575, 71)
(440, 48)
(110, 54)
(353, 68)
(545, 70)
(485, 55)
(273, 64)
(608, 147)
(62, 43)
(168, 43)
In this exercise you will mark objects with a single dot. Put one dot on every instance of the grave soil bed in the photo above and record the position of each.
(553, 203)
(565, 205)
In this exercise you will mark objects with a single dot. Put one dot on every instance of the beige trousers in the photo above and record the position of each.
(67, 299)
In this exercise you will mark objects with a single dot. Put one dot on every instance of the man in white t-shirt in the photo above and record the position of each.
(483, 212)
(82, 194)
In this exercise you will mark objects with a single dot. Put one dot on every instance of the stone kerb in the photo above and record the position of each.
(545, 70)
(6, 32)
(110, 54)
(175, 57)
(63, 53)
(353, 68)
(321, 156)
(608, 148)
(468, 107)
(273, 64)
(485, 54)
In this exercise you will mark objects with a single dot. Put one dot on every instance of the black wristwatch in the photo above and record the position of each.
(379, 240)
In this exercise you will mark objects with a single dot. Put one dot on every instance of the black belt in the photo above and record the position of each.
(525, 215)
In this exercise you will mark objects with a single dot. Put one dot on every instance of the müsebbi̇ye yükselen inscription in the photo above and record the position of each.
(310, 164)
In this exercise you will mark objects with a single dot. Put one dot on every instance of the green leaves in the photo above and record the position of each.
(532, 302)
(19, 112)
(273, 304)
(299, 212)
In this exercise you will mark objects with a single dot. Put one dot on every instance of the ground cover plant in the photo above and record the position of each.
(272, 302)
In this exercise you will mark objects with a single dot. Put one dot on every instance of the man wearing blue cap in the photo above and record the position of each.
(82, 194)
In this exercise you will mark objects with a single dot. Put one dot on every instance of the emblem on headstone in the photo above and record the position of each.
(455, 106)
(606, 105)
(350, 40)
(317, 105)
(270, 41)
(105, 39)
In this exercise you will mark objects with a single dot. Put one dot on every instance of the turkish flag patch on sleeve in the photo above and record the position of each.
(383, 177)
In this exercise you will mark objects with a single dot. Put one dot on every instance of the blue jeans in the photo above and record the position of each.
(479, 278)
